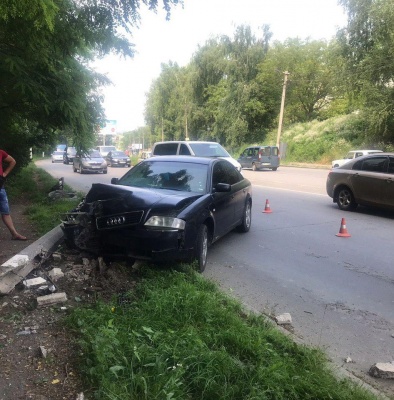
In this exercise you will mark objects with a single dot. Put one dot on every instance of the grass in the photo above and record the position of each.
(179, 337)
(34, 184)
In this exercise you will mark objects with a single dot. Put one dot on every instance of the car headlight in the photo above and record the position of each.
(165, 222)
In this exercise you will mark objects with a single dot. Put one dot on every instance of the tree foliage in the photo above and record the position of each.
(368, 47)
(47, 85)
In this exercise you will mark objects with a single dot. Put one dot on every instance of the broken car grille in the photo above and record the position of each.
(119, 220)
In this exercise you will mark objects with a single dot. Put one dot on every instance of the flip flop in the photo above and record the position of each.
(19, 238)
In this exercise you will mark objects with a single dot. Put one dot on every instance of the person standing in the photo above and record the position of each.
(4, 207)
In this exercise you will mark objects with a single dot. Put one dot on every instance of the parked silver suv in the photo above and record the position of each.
(193, 148)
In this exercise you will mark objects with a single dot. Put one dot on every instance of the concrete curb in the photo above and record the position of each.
(17, 267)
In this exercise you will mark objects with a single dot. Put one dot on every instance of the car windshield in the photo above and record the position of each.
(181, 176)
(58, 153)
(349, 156)
(94, 154)
(208, 150)
(118, 154)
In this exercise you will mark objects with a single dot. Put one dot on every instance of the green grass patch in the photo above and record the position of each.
(33, 185)
(176, 336)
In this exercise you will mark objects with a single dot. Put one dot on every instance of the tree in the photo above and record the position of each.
(368, 47)
(47, 84)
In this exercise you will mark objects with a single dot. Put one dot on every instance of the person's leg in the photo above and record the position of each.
(6, 217)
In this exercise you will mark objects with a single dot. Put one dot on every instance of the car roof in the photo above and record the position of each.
(356, 151)
(189, 159)
(187, 141)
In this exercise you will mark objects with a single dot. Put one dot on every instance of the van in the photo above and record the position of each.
(104, 150)
(193, 148)
(258, 157)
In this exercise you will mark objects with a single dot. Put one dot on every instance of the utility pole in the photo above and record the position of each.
(282, 106)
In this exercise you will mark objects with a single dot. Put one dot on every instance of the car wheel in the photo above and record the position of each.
(53, 161)
(254, 168)
(105, 171)
(246, 218)
(202, 247)
(345, 199)
(274, 168)
(74, 169)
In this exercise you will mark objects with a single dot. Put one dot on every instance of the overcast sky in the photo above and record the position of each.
(159, 41)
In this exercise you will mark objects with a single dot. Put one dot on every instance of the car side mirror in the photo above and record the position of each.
(114, 181)
(222, 187)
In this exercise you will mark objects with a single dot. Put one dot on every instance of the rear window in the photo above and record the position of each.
(165, 149)
(208, 150)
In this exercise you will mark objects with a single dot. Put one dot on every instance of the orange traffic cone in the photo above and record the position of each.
(267, 208)
(343, 231)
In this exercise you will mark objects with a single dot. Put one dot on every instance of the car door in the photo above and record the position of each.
(223, 202)
(368, 179)
(228, 206)
(388, 187)
(243, 158)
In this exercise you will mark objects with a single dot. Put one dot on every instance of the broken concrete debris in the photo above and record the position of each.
(283, 319)
(28, 330)
(50, 299)
(382, 370)
(55, 274)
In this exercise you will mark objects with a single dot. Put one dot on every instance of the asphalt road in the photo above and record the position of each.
(339, 291)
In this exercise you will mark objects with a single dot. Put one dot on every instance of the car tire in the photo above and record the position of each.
(105, 171)
(246, 218)
(201, 248)
(274, 168)
(345, 199)
(254, 168)
(74, 169)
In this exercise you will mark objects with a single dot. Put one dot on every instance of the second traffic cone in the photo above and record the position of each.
(343, 230)
(267, 208)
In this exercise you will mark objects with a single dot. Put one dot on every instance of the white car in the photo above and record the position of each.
(351, 155)
(193, 148)
(57, 156)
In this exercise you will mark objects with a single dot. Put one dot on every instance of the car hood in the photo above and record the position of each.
(114, 199)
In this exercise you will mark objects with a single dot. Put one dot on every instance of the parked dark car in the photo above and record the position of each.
(117, 158)
(258, 157)
(89, 162)
(366, 180)
(69, 154)
(166, 208)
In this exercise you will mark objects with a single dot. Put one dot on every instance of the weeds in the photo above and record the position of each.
(179, 337)
(35, 184)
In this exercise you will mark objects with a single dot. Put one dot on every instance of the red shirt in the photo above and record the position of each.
(3, 155)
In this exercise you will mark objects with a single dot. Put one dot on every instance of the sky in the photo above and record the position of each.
(159, 41)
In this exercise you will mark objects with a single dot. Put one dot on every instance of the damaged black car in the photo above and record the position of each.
(168, 208)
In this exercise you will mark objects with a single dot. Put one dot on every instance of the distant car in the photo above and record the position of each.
(193, 148)
(57, 156)
(352, 155)
(60, 147)
(69, 154)
(116, 158)
(258, 157)
(366, 180)
(90, 162)
(163, 209)
(104, 150)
